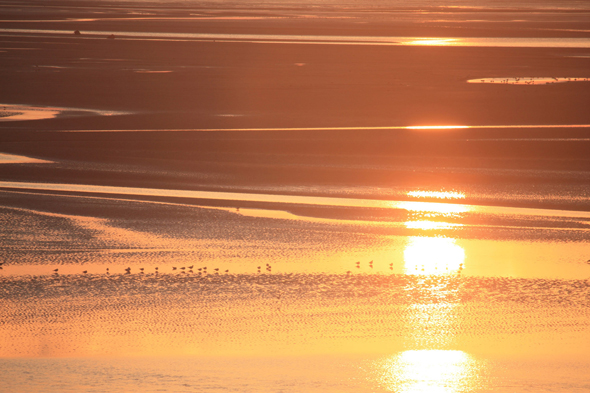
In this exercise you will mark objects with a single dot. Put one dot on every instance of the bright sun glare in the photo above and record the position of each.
(429, 371)
(433, 255)
(424, 224)
(436, 127)
(432, 41)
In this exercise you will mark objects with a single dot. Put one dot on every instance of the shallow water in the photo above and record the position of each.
(220, 332)
(314, 374)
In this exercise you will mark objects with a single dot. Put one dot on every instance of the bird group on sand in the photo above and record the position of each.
(203, 270)
(358, 264)
(142, 270)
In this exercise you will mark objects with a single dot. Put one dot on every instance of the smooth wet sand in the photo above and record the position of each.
(476, 290)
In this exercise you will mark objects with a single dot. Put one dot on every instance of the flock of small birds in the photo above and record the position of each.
(268, 268)
(370, 264)
(204, 271)
(358, 266)
(183, 269)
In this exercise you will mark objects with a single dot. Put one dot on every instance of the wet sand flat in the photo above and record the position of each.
(294, 197)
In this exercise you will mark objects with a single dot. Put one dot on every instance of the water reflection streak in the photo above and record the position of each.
(433, 255)
(431, 371)
(411, 206)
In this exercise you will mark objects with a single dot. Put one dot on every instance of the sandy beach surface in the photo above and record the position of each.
(294, 197)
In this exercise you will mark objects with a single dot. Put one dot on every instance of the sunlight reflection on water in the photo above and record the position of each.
(437, 194)
(431, 371)
(433, 255)
(412, 206)
(431, 225)
(433, 42)
(524, 42)
(529, 80)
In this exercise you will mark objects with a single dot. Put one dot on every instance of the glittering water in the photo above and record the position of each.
(383, 329)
